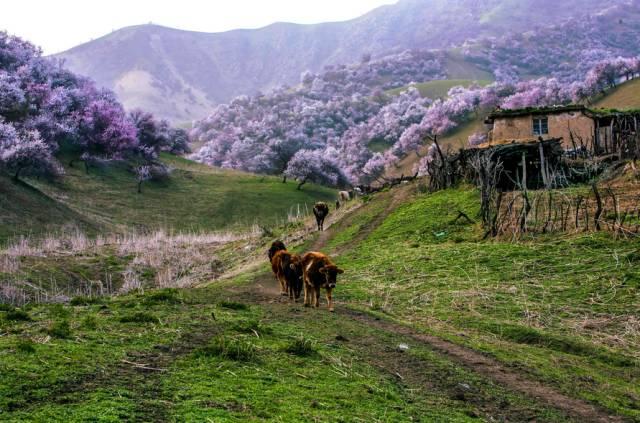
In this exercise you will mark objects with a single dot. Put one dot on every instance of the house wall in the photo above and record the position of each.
(561, 125)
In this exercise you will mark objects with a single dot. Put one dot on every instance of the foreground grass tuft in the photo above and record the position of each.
(236, 349)
(17, 316)
(86, 301)
(164, 296)
(302, 346)
(233, 305)
(139, 317)
(26, 346)
(60, 329)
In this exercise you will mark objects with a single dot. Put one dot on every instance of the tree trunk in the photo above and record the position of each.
(16, 176)
(140, 187)
(284, 179)
(86, 167)
(304, 181)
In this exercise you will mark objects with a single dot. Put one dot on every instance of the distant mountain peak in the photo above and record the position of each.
(182, 74)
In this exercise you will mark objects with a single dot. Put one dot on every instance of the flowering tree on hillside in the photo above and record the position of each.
(315, 166)
(26, 153)
(104, 132)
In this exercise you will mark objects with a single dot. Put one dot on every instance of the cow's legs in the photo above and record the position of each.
(290, 288)
(307, 294)
(317, 296)
(283, 284)
(329, 299)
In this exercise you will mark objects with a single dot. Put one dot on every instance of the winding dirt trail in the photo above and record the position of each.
(264, 291)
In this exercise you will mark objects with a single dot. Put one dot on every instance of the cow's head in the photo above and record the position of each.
(296, 266)
(331, 273)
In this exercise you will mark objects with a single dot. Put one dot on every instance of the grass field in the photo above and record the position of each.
(194, 198)
(625, 96)
(559, 311)
(439, 89)
(563, 310)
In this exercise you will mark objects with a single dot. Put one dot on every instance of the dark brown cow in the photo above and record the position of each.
(320, 210)
(319, 272)
(275, 247)
(288, 270)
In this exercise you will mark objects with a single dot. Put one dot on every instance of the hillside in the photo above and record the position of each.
(146, 65)
(528, 332)
(439, 89)
(195, 198)
(625, 96)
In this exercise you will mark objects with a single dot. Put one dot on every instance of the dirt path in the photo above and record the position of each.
(399, 195)
(264, 291)
(493, 370)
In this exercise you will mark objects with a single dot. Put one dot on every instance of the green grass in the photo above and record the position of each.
(561, 309)
(440, 88)
(625, 96)
(195, 198)
(457, 67)
(190, 366)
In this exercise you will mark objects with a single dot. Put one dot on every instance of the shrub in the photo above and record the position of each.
(85, 301)
(302, 347)
(58, 310)
(251, 326)
(60, 329)
(26, 346)
(17, 316)
(6, 307)
(90, 322)
(236, 349)
(233, 305)
(167, 296)
(139, 317)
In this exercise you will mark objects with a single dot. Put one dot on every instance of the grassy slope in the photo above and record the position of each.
(196, 197)
(459, 68)
(561, 309)
(440, 88)
(526, 304)
(206, 357)
(625, 96)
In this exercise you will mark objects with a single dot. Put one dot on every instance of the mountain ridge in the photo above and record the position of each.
(148, 64)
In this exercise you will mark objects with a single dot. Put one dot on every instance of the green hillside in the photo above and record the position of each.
(458, 67)
(625, 96)
(432, 323)
(195, 197)
(439, 88)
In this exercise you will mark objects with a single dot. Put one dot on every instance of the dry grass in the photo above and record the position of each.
(156, 260)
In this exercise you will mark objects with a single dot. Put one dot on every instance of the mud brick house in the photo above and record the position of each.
(599, 132)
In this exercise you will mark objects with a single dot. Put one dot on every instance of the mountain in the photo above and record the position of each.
(181, 75)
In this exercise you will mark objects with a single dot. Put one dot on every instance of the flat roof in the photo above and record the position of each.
(502, 113)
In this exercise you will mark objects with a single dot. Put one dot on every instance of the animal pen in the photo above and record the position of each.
(518, 181)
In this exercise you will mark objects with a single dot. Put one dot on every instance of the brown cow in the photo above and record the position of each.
(320, 210)
(319, 272)
(288, 270)
(275, 247)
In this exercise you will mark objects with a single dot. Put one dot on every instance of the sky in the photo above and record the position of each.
(57, 25)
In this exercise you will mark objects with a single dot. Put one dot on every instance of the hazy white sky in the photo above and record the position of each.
(57, 25)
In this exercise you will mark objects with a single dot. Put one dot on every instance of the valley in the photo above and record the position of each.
(478, 161)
